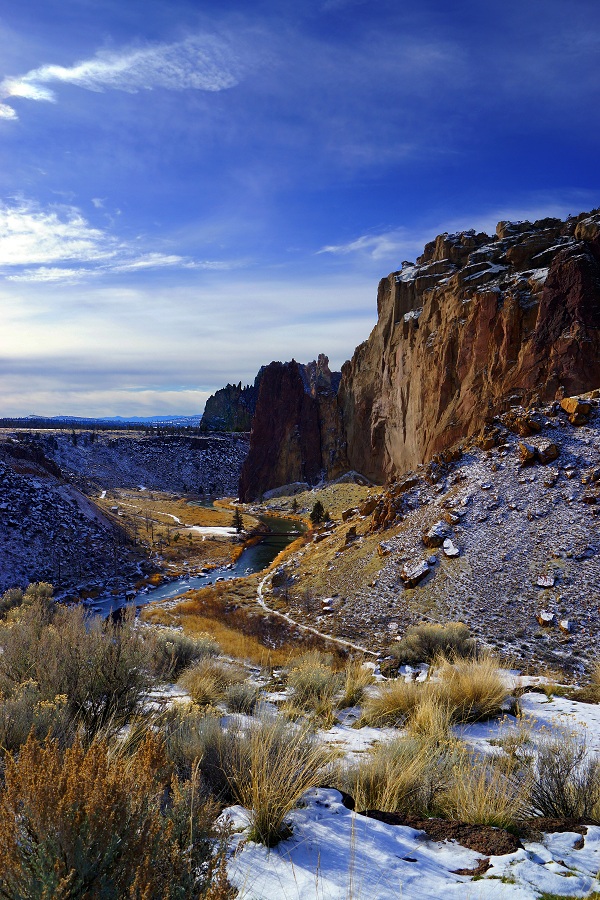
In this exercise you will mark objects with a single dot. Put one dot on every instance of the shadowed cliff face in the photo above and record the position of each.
(231, 408)
(296, 430)
(474, 325)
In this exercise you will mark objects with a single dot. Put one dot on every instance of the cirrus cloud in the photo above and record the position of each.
(200, 62)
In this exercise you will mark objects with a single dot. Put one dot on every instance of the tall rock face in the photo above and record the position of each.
(231, 408)
(476, 324)
(296, 431)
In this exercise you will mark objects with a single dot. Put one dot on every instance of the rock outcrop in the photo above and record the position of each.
(296, 432)
(476, 325)
(231, 408)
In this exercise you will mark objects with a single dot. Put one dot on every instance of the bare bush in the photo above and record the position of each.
(566, 782)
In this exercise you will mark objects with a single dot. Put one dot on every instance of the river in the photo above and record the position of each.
(253, 559)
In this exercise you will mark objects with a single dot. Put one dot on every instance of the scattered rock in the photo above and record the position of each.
(436, 535)
(527, 453)
(449, 548)
(547, 451)
(573, 406)
(368, 506)
(413, 573)
(545, 618)
(545, 581)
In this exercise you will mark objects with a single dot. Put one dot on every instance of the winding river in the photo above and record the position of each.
(253, 559)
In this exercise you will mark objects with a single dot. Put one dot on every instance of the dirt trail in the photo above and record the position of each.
(328, 637)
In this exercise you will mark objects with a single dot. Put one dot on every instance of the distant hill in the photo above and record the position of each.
(34, 421)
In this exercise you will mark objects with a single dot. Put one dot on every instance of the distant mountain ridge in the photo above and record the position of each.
(89, 421)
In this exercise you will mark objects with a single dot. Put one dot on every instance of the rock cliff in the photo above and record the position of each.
(476, 325)
(296, 431)
(231, 408)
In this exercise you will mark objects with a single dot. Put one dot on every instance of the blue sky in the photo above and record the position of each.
(189, 190)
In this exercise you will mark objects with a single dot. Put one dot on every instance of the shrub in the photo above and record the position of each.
(269, 767)
(93, 823)
(423, 643)
(99, 667)
(26, 711)
(172, 651)
(566, 781)
(472, 689)
(10, 598)
(312, 681)
(196, 740)
(242, 698)
(403, 776)
(485, 793)
(207, 681)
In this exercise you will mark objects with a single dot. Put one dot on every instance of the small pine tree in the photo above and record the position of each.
(294, 505)
(318, 513)
(238, 522)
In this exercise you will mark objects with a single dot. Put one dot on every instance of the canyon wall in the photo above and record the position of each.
(477, 324)
(231, 408)
(296, 432)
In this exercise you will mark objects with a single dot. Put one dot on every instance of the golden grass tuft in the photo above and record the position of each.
(472, 688)
(393, 704)
(269, 768)
(485, 793)
(357, 677)
(402, 776)
(207, 681)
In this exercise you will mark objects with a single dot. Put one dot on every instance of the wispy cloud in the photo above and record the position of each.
(59, 244)
(201, 62)
(378, 246)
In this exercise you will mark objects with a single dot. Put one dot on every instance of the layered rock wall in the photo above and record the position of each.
(475, 325)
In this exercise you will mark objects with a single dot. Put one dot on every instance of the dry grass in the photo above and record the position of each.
(269, 767)
(393, 704)
(207, 681)
(467, 690)
(471, 688)
(483, 793)
(403, 776)
(357, 677)
(228, 612)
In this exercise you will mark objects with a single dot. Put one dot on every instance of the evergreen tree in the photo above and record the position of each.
(238, 522)
(318, 513)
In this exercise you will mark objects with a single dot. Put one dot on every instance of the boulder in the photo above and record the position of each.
(348, 513)
(566, 626)
(449, 548)
(436, 535)
(413, 573)
(451, 518)
(575, 406)
(368, 506)
(545, 618)
(547, 451)
(527, 453)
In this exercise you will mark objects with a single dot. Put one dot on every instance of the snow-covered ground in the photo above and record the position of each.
(334, 853)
